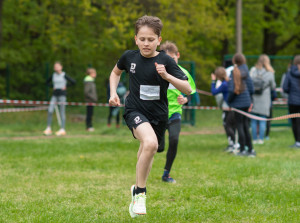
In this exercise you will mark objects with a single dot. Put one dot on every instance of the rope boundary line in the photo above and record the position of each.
(30, 103)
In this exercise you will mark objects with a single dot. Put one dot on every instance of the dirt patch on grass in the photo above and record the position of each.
(38, 137)
(204, 132)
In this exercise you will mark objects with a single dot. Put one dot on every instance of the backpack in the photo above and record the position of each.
(258, 84)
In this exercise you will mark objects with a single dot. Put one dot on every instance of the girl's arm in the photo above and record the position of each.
(181, 85)
(114, 80)
(70, 80)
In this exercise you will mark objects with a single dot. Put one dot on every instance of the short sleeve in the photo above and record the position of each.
(121, 64)
(173, 69)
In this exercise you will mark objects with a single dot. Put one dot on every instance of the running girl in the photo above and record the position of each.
(146, 106)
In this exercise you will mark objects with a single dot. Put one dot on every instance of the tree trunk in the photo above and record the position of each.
(1, 4)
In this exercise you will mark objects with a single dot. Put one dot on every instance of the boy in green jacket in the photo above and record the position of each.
(176, 100)
(90, 95)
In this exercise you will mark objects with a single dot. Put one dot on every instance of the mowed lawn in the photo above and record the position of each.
(86, 177)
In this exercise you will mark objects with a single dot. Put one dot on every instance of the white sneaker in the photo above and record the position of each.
(139, 205)
(90, 129)
(255, 141)
(47, 132)
(132, 214)
(61, 132)
(260, 141)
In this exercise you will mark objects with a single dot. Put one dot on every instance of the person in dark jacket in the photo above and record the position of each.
(291, 86)
(240, 90)
(90, 95)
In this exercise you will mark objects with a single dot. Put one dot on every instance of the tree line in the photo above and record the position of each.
(82, 33)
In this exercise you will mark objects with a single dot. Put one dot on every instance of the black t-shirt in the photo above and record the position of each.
(148, 90)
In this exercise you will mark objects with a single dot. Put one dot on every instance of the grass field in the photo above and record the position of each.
(86, 177)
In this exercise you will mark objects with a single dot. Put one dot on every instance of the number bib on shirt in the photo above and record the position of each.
(149, 92)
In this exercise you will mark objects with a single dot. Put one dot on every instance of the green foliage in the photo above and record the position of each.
(94, 32)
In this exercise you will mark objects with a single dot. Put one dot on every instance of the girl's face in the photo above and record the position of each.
(147, 41)
(58, 68)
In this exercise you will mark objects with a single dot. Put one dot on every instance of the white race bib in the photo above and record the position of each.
(149, 92)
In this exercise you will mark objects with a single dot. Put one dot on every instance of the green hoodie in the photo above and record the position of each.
(173, 93)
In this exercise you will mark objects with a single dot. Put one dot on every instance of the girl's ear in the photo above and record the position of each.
(159, 40)
(135, 38)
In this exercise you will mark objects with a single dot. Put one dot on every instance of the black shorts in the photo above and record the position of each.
(134, 118)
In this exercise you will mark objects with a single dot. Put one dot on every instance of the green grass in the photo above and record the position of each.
(86, 177)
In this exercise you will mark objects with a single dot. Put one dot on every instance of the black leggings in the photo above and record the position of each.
(295, 121)
(174, 130)
(242, 125)
(229, 124)
(89, 116)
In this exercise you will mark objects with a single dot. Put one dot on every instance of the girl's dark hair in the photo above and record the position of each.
(220, 73)
(238, 82)
(150, 21)
(239, 59)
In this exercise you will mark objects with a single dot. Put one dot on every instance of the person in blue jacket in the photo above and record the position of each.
(240, 90)
(291, 85)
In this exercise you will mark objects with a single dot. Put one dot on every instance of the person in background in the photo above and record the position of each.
(227, 115)
(240, 89)
(291, 86)
(175, 102)
(115, 111)
(59, 80)
(90, 95)
(262, 75)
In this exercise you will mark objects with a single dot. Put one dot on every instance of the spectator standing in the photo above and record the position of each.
(240, 89)
(90, 95)
(291, 86)
(262, 75)
(59, 80)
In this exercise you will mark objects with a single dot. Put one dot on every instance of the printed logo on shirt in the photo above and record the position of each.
(132, 67)
(137, 120)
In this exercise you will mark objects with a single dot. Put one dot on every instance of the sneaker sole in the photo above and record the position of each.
(132, 214)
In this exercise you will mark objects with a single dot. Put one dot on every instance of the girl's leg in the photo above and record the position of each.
(262, 129)
(248, 139)
(51, 110)
(148, 147)
(240, 129)
(110, 115)
(292, 110)
(230, 126)
(254, 129)
(63, 100)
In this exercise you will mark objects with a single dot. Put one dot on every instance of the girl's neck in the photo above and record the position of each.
(150, 56)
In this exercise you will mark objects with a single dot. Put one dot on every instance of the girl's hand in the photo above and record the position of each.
(161, 70)
(114, 100)
(182, 100)
(250, 108)
(213, 76)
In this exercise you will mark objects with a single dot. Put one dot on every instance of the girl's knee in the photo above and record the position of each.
(150, 145)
